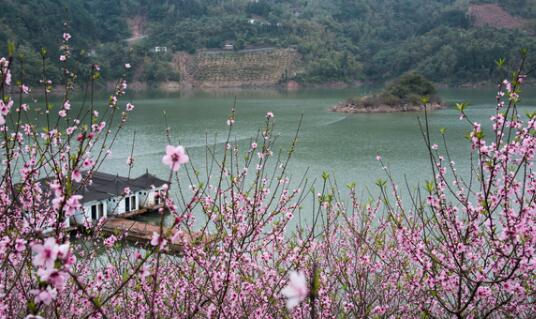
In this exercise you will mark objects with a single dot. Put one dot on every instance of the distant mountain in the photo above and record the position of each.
(448, 41)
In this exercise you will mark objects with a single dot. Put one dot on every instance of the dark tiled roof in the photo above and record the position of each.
(104, 186)
(147, 180)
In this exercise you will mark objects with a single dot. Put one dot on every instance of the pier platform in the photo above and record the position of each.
(140, 232)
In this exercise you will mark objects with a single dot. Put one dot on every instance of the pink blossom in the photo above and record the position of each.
(175, 157)
(7, 80)
(70, 130)
(379, 310)
(157, 240)
(110, 241)
(88, 163)
(62, 113)
(4, 71)
(129, 107)
(5, 107)
(76, 176)
(72, 204)
(67, 105)
(296, 290)
(45, 254)
(45, 296)
(269, 115)
(127, 66)
(53, 276)
(66, 36)
(507, 85)
(63, 251)
(63, 58)
(20, 245)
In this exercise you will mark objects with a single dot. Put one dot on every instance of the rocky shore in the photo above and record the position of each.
(351, 107)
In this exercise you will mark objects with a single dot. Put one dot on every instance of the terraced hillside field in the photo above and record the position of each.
(246, 68)
(495, 16)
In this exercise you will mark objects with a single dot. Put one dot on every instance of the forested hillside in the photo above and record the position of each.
(448, 41)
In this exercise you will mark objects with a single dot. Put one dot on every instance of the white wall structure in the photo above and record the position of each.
(122, 204)
(92, 211)
(148, 198)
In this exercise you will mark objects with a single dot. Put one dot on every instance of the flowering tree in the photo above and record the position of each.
(465, 249)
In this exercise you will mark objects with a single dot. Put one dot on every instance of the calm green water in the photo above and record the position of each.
(343, 145)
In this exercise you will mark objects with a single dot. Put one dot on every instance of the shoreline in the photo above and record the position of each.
(176, 87)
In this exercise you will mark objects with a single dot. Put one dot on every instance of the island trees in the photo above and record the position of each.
(401, 95)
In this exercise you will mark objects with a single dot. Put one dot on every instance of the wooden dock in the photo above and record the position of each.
(140, 211)
(141, 233)
(134, 213)
(137, 232)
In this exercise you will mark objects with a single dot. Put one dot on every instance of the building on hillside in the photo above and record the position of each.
(159, 49)
(228, 46)
(258, 20)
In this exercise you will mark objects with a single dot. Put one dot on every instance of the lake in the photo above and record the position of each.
(345, 145)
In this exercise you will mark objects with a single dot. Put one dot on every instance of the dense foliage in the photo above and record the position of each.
(410, 88)
(339, 39)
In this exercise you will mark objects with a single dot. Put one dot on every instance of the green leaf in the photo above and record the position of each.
(316, 282)
(381, 182)
(10, 48)
(429, 186)
(425, 100)
(524, 52)
(461, 106)
(32, 306)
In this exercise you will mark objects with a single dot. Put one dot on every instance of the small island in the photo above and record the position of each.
(403, 95)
